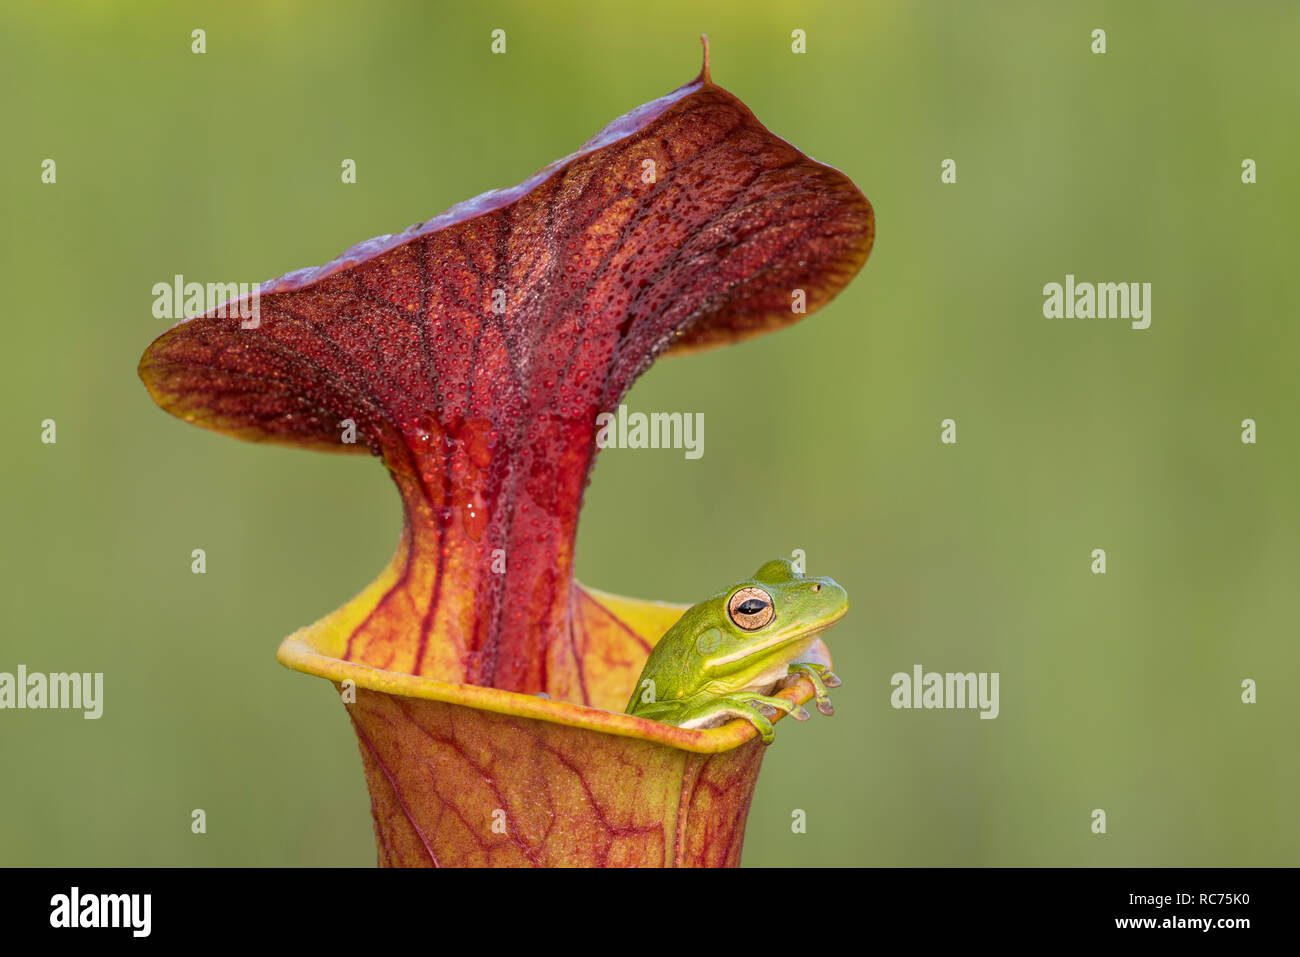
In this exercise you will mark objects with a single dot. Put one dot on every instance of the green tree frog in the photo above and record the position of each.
(727, 656)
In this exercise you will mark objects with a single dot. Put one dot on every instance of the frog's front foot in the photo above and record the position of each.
(751, 707)
(795, 711)
(821, 678)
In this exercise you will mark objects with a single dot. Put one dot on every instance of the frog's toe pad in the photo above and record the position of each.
(800, 714)
(831, 680)
(825, 707)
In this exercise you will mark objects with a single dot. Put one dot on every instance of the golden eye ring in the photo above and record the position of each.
(751, 608)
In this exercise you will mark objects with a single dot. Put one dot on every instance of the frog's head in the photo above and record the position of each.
(761, 625)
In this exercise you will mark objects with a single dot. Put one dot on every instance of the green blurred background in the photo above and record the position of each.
(1119, 692)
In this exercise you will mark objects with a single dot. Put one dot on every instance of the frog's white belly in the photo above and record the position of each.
(763, 683)
(766, 681)
(712, 721)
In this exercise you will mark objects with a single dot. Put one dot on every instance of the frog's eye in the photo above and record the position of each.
(751, 608)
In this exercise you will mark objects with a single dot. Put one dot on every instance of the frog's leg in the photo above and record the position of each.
(746, 705)
(821, 678)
